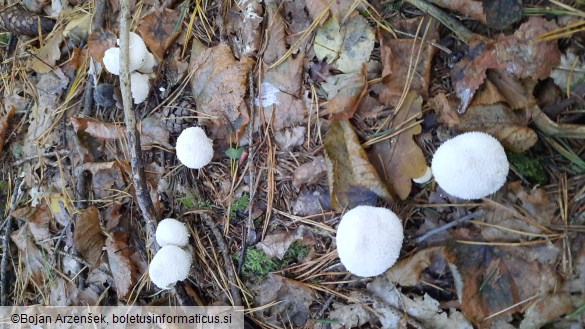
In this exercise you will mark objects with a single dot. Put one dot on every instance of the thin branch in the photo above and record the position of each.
(452, 24)
(138, 177)
(229, 268)
(449, 225)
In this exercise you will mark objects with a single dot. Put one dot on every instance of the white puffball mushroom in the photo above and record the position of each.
(112, 60)
(425, 177)
(138, 51)
(470, 166)
(140, 87)
(194, 148)
(369, 240)
(172, 232)
(148, 63)
(169, 265)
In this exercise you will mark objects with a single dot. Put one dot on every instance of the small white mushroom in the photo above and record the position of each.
(169, 265)
(140, 87)
(470, 166)
(112, 60)
(369, 240)
(194, 148)
(139, 57)
(172, 232)
(425, 177)
(148, 64)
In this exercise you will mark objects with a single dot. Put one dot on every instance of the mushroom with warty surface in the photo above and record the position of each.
(171, 232)
(369, 240)
(470, 166)
(194, 148)
(169, 265)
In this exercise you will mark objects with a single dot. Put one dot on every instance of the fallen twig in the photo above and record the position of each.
(461, 31)
(44, 155)
(138, 177)
(551, 128)
(249, 228)
(237, 299)
(449, 225)
(16, 196)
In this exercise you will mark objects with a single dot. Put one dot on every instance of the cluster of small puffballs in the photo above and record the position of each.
(141, 65)
(470, 166)
(172, 262)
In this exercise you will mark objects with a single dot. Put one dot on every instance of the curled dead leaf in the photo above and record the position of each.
(219, 85)
(99, 41)
(88, 237)
(400, 159)
(159, 29)
(352, 178)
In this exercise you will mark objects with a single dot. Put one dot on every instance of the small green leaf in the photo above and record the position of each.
(233, 153)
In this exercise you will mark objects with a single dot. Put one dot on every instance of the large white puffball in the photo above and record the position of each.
(194, 148)
(172, 232)
(140, 87)
(112, 60)
(369, 240)
(470, 166)
(169, 265)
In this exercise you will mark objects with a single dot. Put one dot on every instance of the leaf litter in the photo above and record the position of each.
(328, 105)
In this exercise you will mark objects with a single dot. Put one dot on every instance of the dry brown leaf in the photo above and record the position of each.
(159, 29)
(97, 129)
(398, 56)
(293, 300)
(519, 54)
(276, 244)
(537, 203)
(153, 132)
(119, 258)
(39, 219)
(4, 125)
(546, 310)
(400, 159)
(352, 178)
(107, 178)
(219, 86)
(495, 278)
(98, 42)
(243, 24)
(31, 256)
(310, 172)
(407, 272)
(498, 120)
(344, 92)
(47, 56)
(88, 237)
(40, 133)
(281, 89)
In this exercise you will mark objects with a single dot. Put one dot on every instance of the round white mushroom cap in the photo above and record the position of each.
(470, 166)
(369, 240)
(172, 232)
(169, 265)
(148, 64)
(138, 51)
(194, 148)
(140, 87)
(112, 60)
